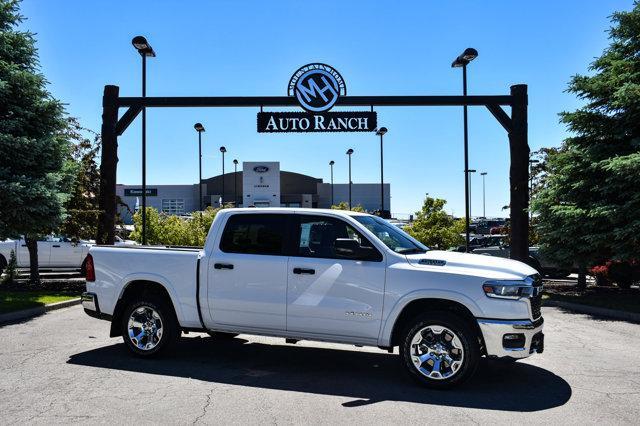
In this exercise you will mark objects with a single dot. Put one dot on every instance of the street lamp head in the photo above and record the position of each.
(142, 46)
(235, 162)
(472, 170)
(349, 151)
(199, 127)
(223, 149)
(465, 57)
(331, 163)
(381, 131)
(483, 173)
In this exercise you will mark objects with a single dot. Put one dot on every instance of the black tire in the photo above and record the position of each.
(462, 330)
(168, 322)
(220, 335)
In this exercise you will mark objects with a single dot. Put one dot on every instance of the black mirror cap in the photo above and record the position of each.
(347, 247)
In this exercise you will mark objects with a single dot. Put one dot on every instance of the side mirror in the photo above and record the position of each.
(347, 247)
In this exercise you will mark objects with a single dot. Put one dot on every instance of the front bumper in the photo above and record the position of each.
(527, 333)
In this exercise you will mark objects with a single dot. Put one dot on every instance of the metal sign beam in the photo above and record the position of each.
(284, 101)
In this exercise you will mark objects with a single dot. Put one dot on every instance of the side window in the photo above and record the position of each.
(316, 236)
(254, 234)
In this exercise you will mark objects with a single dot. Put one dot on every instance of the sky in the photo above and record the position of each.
(251, 48)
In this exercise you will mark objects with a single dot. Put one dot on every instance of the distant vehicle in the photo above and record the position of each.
(54, 251)
(536, 260)
(480, 241)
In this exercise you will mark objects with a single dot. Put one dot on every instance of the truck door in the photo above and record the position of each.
(329, 294)
(248, 273)
(64, 253)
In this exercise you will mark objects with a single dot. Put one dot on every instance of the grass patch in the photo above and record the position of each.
(17, 300)
(610, 298)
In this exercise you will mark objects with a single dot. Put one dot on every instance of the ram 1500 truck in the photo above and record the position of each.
(323, 275)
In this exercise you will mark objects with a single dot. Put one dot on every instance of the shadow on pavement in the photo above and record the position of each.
(366, 377)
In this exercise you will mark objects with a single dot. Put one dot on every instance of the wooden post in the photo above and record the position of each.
(108, 166)
(519, 174)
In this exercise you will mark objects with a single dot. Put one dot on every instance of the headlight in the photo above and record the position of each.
(503, 289)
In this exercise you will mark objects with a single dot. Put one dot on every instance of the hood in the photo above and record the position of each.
(478, 263)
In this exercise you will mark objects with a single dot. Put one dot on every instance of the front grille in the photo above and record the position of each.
(536, 298)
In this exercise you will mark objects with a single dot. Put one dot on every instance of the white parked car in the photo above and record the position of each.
(53, 252)
(325, 275)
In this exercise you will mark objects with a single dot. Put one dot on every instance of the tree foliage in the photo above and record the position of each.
(589, 207)
(82, 205)
(34, 170)
(434, 227)
(343, 205)
(172, 230)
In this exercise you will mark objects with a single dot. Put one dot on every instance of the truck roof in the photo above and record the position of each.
(293, 210)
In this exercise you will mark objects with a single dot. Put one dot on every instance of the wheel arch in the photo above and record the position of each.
(135, 289)
(406, 311)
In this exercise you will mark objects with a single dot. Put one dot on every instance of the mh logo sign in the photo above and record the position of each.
(317, 87)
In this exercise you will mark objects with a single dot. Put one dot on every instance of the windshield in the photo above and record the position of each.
(393, 237)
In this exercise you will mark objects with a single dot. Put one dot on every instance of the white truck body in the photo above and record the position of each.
(53, 252)
(327, 299)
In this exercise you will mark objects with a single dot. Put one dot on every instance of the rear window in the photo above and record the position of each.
(254, 234)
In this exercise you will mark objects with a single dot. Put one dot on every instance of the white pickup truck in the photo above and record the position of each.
(53, 252)
(324, 275)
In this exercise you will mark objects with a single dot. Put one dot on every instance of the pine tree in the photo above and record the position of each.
(33, 150)
(589, 209)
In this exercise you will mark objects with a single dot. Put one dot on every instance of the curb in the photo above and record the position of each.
(32, 312)
(594, 310)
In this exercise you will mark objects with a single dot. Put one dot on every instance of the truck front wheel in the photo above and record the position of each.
(439, 350)
(149, 326)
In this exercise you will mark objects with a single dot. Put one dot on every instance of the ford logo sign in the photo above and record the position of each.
(260, 169)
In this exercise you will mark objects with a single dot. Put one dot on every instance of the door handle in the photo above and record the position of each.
(55, 246)
(223, 266)
(307, 271)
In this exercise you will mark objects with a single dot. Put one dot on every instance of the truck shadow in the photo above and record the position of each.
(365, 376)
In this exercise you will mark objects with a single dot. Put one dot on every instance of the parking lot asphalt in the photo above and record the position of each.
(62, 368)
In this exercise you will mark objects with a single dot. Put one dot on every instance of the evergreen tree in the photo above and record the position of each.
(33, 149)
(589, 209)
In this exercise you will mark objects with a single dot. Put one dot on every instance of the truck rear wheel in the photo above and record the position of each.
(149, 326)
(439, 350)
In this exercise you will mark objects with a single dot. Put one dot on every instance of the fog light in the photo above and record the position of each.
(513, 341)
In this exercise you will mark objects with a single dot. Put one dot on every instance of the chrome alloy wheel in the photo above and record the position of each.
(145, 328)
(436, 352)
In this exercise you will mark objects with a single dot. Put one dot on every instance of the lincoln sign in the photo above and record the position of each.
(317, 88)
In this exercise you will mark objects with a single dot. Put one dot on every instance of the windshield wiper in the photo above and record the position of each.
(414, 250)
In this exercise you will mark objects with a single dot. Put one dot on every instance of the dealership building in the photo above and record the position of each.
(259, 184)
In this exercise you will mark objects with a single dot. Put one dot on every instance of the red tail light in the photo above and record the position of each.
(89, 270)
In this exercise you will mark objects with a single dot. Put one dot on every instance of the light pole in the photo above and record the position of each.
(222, 150)
(199, 128)
(331, 163)
(144, 49)
(381, 132)
(349, 152)
(470, 171)
(235, 182)
(463, 60)
(484, 206)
